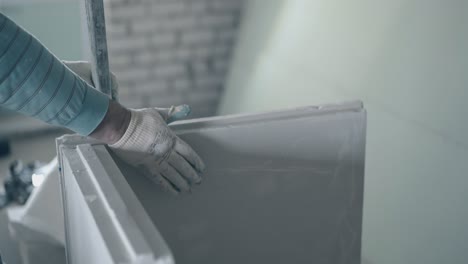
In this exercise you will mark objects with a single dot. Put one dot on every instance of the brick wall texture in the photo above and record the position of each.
(169, 52)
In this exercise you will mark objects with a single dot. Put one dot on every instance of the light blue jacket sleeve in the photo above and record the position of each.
(34, 82)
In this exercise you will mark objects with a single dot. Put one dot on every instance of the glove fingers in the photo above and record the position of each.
(174, 113)
(159, 179)
(189, 154)
(174, 177)
(179, 112)
(184, 168)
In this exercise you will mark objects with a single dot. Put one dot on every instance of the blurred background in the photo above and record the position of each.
(407, 60)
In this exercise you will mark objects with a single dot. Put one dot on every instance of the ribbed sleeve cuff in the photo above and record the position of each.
(140, 132)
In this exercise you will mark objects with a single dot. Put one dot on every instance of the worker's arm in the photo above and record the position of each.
(34, 82)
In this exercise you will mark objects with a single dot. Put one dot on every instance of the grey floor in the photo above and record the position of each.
(40, 147)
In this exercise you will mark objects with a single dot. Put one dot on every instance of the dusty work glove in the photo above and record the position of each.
(150, 145)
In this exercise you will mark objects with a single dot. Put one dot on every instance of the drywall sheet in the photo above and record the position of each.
(283, 187)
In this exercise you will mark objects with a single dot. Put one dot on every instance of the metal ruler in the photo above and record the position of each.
(99, 54)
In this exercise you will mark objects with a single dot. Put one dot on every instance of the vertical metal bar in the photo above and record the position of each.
(98, 42)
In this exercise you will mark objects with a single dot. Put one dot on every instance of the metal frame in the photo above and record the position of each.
(108, 201)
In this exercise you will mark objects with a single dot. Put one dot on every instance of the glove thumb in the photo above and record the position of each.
(174, 113)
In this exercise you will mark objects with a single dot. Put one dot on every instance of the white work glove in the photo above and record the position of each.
(150, 145)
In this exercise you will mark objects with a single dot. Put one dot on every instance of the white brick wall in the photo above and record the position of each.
(167, 52)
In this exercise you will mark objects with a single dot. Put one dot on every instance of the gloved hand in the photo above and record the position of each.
(152, 146)
(149, 144)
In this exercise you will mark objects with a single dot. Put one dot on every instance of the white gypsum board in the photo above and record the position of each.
(282, 187)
